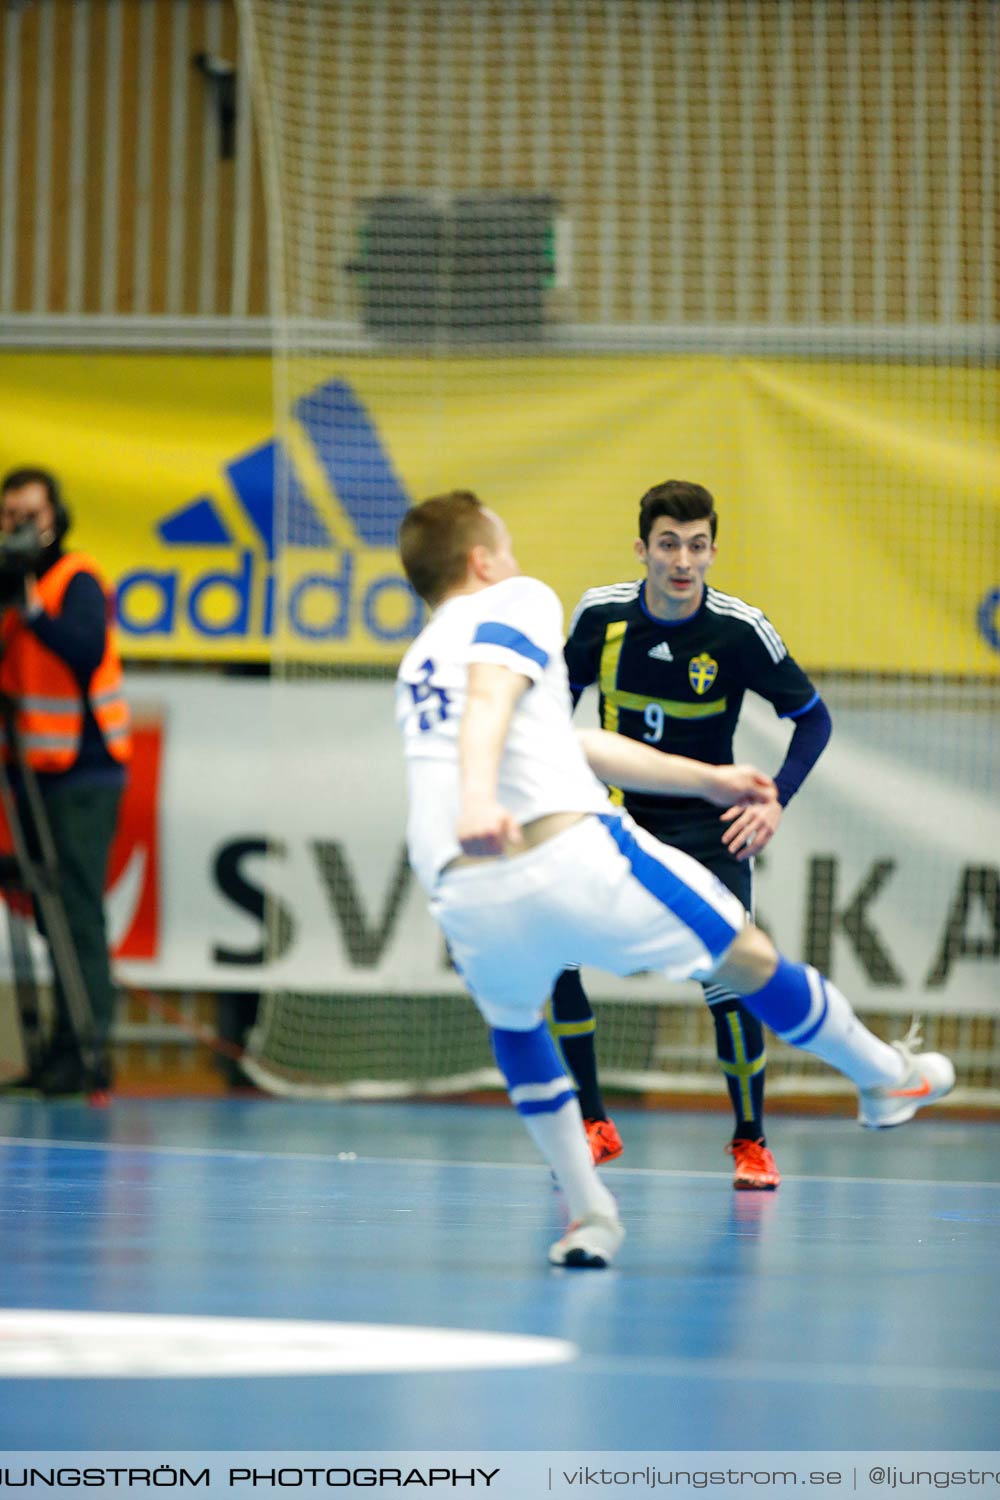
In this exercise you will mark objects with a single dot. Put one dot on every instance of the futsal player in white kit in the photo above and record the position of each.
(530, 867)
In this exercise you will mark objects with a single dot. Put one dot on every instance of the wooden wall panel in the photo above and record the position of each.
(743, 162)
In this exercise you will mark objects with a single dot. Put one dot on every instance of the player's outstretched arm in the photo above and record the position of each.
(619, 761)
(484, 826)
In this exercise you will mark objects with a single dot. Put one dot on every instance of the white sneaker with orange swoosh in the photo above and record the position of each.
(927, 1077)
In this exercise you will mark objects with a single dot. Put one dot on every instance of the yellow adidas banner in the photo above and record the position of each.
(859, 503)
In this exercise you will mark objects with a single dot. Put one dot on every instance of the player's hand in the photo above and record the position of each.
(734, 787)
(751, 829)
(488, 828)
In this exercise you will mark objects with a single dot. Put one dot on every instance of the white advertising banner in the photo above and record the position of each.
(246, 792)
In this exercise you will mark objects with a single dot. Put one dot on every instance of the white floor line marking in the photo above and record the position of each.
(349, 1158)
(44, 1344)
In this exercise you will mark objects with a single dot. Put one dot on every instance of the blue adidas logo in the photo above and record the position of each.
(328, 604)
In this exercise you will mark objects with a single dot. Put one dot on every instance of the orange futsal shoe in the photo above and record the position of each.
(754, 1167)
(604, 1140)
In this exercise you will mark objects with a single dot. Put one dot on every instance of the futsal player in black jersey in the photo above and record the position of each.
(672, 659)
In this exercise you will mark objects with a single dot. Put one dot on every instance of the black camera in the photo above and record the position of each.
(21, 553)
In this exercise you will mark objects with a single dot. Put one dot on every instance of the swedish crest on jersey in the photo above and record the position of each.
(702, 672)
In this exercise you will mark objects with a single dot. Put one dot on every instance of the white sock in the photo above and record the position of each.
(844, 1041)
(560, 1136)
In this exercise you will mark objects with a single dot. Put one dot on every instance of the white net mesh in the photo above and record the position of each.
(556, 252)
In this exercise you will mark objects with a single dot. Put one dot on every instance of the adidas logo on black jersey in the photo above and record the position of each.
(661, 652)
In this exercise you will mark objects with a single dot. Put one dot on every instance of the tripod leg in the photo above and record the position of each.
(25, 988)
(61, 837)
(35, 853)
(67, 965)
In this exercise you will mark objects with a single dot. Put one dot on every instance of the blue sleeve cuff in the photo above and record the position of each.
(796, 713)
(492, 633)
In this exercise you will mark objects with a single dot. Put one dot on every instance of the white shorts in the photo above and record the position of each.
(604, 893)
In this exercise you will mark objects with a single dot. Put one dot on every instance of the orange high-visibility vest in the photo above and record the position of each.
(50, 706)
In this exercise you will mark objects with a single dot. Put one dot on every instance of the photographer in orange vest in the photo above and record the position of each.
(61, 666)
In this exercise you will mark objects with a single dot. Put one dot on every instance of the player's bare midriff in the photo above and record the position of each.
(538, 831)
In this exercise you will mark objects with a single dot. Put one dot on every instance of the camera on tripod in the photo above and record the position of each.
(21, 553)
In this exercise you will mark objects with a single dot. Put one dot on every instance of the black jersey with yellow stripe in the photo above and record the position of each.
(679, 685)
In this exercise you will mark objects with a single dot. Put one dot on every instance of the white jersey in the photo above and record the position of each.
(517, 624)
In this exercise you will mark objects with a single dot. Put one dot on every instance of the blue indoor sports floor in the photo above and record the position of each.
(857, 1307)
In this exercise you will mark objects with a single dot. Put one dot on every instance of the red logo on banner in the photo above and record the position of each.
(135, 853)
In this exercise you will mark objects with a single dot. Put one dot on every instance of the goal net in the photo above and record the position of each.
(556, 251)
